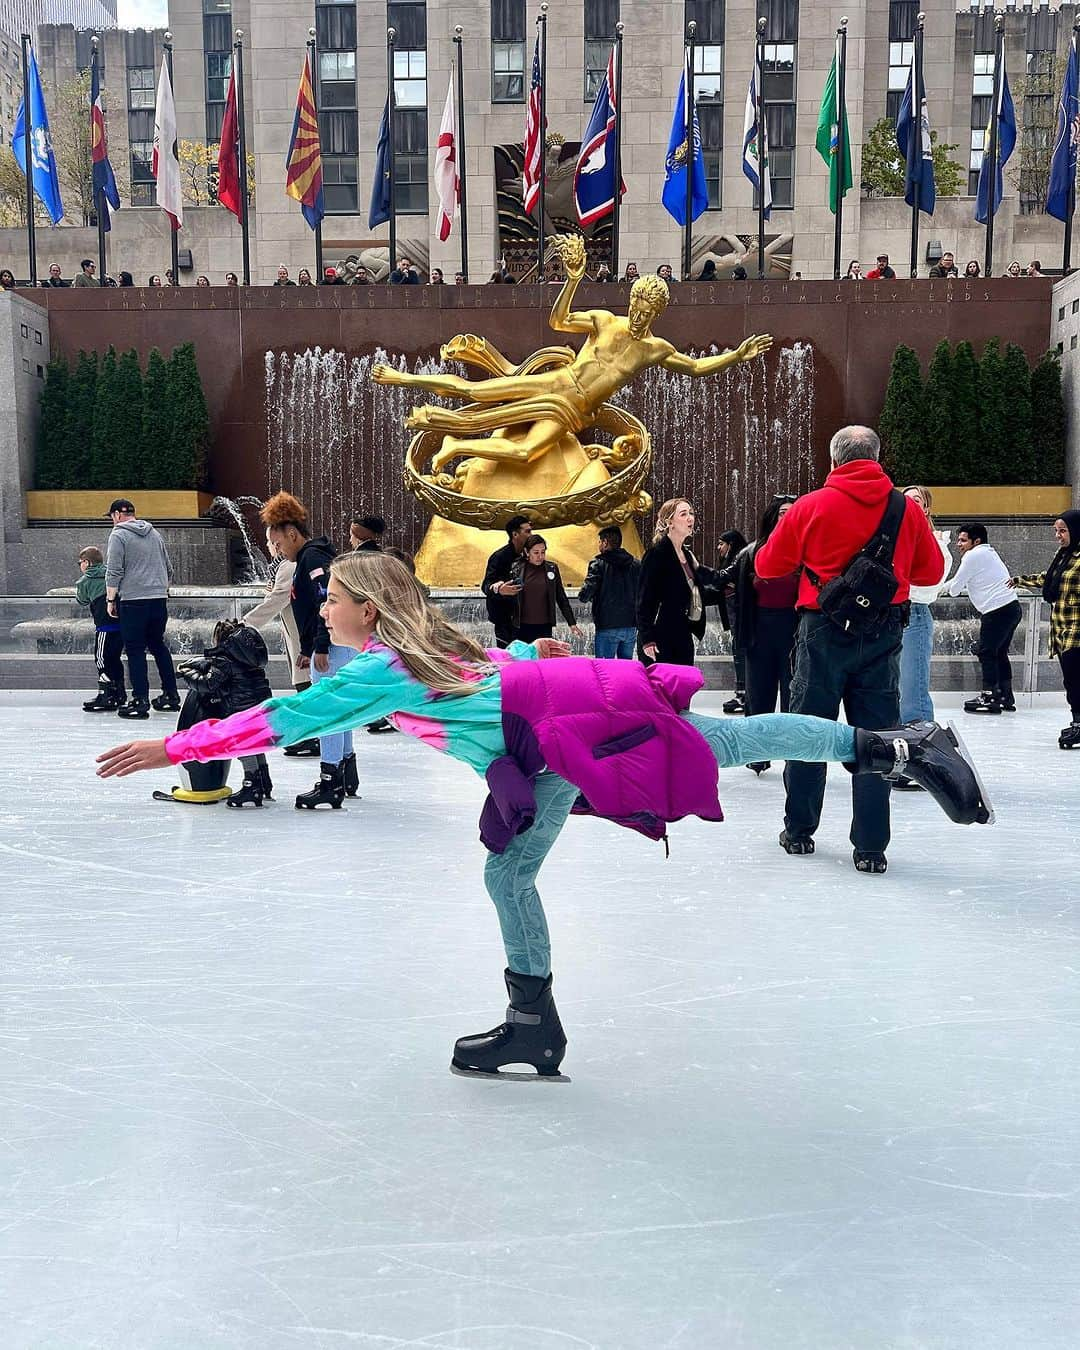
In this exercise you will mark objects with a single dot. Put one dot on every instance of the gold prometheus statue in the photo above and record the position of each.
(517, 440)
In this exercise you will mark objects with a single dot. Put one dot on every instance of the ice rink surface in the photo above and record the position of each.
(810, 1110)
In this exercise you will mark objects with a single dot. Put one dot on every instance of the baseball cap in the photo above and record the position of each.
(121, 504)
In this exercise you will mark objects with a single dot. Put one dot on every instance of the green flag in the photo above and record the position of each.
(828, 138)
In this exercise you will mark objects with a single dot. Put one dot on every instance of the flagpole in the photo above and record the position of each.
(541, 23)
(463, 196)
(841, 146)
(238, 53)
(314, 73)
(99, 197)
(391, 109)
(991, 181)
(28, 160)
(617, 203)
(1066, 259)
(174, 242)
(761, 146)
(915, 146)
(691, 149)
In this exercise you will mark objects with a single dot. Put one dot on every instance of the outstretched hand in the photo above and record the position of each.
(754, 347)
(384, 374)
(132, 757)
(549, 647)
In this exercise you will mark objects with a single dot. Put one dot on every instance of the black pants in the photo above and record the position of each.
(863, 675)
(673, 649)
(1070, 672)
(108, 647)
(996, 630)
(529, 632)
(768, 661)
(738, 651)
(142, 625)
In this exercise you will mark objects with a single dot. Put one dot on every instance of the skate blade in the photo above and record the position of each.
(965, 755)
(508, 1076)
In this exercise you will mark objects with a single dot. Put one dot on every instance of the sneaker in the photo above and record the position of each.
(166, 702)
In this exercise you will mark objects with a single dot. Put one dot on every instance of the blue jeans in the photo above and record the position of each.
(510, 877)
(916, 704)
(333, 749)
(612, 643)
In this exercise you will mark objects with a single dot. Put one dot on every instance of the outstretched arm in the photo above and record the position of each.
(571, 249)
(749, 350)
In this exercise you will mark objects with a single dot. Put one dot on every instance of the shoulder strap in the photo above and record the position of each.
(883, 545)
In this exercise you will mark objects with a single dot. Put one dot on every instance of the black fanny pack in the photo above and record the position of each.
(860, 598)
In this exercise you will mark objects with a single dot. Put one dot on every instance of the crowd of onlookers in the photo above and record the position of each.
(945, 267)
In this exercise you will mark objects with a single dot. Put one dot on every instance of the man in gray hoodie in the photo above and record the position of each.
(137, 574)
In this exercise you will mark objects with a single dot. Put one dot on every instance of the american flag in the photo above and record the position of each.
(534, 137)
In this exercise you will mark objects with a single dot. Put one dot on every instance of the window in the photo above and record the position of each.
(410, 79)
(711, 124)
(778, 89)
(339, 184)
(218, 69)
(982, 81)
(709, 16)
(781, 18)
(410, 162)
(338, 134)
(900, 58)
(507, 51)
(1039, 112)
(409, 20)
(709, 74)
(902, 18)
(216, 6)
(143, 187)
(84, 52)
(141, 91)
(601, 16)
(337, 79)
(778, 76)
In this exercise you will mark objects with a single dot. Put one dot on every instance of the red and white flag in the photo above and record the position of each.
(534, 137)
(165, 164)
(228, 189)
(447, 182)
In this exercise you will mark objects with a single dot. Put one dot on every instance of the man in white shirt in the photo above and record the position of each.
(985, 578)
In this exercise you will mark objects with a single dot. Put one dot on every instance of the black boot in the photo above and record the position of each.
(135, 709)
(988, 702)
(532, 1034)
(166, 702)
(328, 791)
(304, 749)
(251, 794)
(110, 697)
(798, 846)
(349, 776)
(737, 704)
(934, 757)
(1070, 736)
(265, 782)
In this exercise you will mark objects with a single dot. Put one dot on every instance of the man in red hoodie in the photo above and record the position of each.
(822, 532)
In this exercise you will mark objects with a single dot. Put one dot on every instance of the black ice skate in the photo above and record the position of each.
(304, 750)
(349, 776)
(934, 757)
(251, 794)
(110, 698)
(166, 702)
(875, 863)
(760, 765)
(328, 791)
(266, 783)
(135, 709)
(736, 705)
(381, 727)
(532, 1034)
(798, 846)
(1008, 700)
(1069, 739)
(988, 704)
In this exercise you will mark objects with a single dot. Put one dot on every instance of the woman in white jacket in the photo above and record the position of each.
(918, 640)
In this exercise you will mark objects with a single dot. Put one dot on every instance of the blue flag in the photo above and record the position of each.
(985, 203)
(105, 193)
(915, 143)
(675, 164)
(43, 161)
(379, 210)
(1063, 162)
(594, 176)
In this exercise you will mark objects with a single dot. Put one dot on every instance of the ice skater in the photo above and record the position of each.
(607, 738)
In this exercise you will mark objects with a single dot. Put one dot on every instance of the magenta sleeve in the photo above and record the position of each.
(244, 733)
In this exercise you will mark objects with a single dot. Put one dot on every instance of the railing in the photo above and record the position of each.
(56, 625)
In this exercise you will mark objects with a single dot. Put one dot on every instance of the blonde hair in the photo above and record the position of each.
(429, 647)
(665, 515)
(653, 290)
(926, 495)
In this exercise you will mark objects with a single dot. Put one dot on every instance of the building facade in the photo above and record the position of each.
(498, 40)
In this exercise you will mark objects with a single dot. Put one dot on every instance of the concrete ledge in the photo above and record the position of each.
(976, 503)
(152, 505)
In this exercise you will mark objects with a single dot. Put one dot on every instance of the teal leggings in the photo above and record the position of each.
(510, 877)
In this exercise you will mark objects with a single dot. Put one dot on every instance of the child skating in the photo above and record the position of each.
(606, 738)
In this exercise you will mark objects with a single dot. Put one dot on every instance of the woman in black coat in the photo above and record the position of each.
(671, 603)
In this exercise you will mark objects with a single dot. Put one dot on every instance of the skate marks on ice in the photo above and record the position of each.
(809, 1108)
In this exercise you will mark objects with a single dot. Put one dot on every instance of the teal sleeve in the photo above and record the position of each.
(523, 651)
(371, 686)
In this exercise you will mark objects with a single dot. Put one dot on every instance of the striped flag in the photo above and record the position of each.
(104, 179)
(165, 165)
(755, 158)
(594, 176)
(447, 183)
(303, 163)
(534, 138)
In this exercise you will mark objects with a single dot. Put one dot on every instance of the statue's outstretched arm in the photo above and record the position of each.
(562, 319)
(749, 350)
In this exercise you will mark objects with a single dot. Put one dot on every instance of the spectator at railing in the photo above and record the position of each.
(86, 275)
(55, 277)
(7, 279)
(882, 272)
(946, 267)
